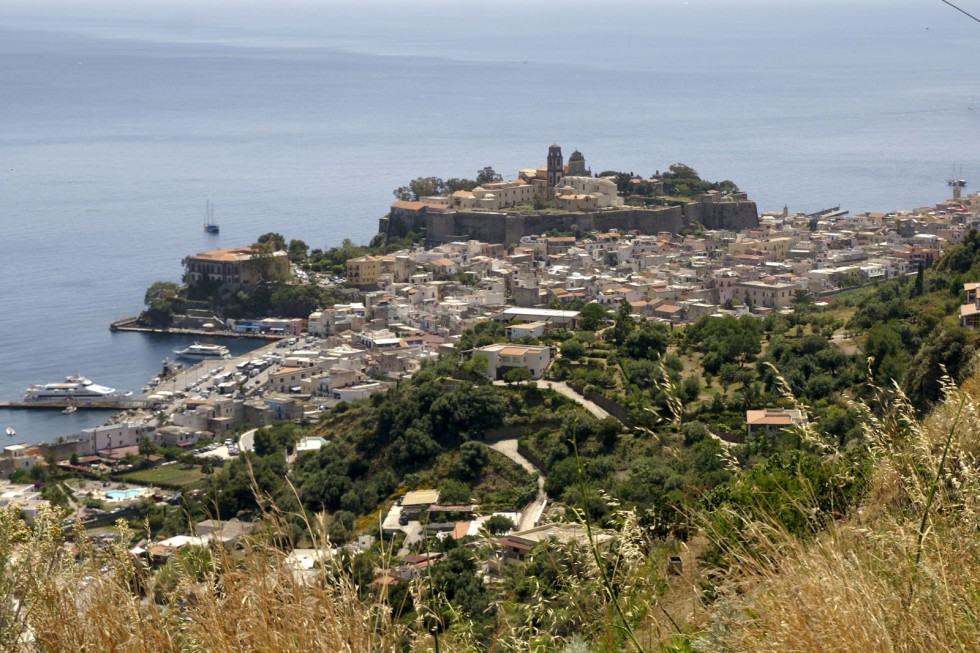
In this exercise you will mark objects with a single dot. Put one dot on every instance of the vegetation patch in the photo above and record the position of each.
(175, 475)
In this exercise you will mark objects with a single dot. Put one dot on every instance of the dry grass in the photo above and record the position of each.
(104, 601)
(902, 574)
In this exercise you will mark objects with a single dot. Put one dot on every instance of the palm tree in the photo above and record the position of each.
(147, 447)
(802, 299)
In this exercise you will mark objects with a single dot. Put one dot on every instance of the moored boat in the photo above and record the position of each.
(73, 388)
(197, 351)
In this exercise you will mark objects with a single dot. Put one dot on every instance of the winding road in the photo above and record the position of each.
(532, 512)
(563, 388)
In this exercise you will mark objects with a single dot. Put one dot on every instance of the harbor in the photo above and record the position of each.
(132, 324)
(62, 404)
(128, 362)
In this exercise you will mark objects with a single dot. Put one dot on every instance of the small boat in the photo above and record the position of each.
(210, 225)
(11, 432)
(69, 410)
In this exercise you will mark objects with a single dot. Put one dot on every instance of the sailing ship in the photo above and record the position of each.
(210, 225)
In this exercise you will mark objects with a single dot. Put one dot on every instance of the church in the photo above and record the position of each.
(569, 187)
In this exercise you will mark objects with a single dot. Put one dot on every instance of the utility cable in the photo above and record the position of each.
(962, 11)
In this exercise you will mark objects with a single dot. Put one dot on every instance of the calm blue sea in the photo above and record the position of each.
(118, 121)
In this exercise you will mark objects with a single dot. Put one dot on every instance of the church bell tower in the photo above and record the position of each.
(556, 169)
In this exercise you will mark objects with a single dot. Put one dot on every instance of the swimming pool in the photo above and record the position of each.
(122, 494)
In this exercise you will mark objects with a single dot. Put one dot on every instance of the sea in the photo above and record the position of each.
(119, 121)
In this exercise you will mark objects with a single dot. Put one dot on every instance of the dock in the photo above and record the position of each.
(61, 404)
(132, 324)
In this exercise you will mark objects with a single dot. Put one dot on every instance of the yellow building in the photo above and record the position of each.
(364, 270)
(494, 196)
(235, 267)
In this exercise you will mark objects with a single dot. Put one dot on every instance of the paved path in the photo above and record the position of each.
(532, 512)
(562, 388)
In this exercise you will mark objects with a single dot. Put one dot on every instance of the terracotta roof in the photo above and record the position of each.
(513, 543)
(519, 351)
(769, 417)
(968, 310)
(461, 530)
(415, 206)
(225, 255)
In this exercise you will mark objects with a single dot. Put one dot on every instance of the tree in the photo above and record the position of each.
(262, 260)
(147, 447)
(456, 184)
(276, 241)
(487, 176)
(727, 375)
(573, 349)
(453, 492)
(917, 288)
(518, 375)
(262, 443)
(297, 250)
(160, 290)
(624, 324)
(420, 187)
(889, 355)
(691, 388)
(950, 346)
(649, 341)
(592, 316)
(455, 580)
(159, 299)
(473, 457)
(802, 300)
(498, 524)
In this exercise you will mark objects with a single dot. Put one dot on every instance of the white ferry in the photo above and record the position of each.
(74, 388)
(198, 351)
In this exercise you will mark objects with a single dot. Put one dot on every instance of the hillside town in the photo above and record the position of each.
(395, 311)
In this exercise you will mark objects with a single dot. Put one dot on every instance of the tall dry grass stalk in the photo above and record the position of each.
(86, 596)
(216, 601)
(901, 574)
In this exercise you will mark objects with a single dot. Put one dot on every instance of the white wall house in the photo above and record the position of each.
(505, 357)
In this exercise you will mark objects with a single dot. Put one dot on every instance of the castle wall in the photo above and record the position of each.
(508, 228)
(735, 215)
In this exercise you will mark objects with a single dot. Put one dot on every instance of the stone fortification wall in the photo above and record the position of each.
(735, 214)
(508, 228)
(442, 226)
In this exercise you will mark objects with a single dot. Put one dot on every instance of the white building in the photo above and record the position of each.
(502, 358)
(112, 436)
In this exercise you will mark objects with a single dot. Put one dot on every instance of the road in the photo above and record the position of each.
(562, 388)
(532, 512)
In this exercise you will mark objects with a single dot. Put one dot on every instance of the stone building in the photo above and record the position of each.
(576, 166)
(235, 267)
(364, 270)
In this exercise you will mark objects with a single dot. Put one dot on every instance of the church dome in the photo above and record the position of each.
(576, 156)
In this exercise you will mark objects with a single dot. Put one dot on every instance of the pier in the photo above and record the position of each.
(61, 404)
(132, 324)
